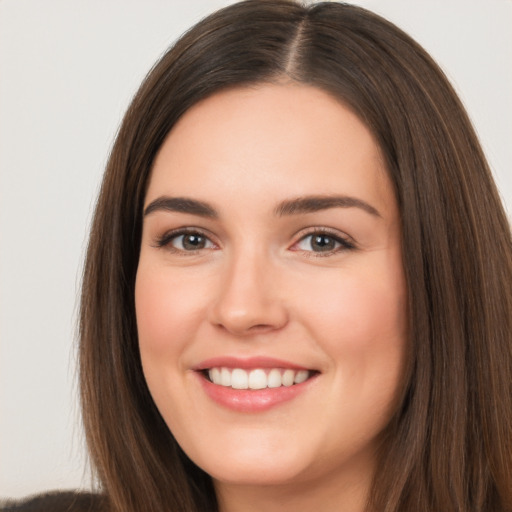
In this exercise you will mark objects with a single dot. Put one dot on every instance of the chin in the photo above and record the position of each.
(255, 466)
(261, 474)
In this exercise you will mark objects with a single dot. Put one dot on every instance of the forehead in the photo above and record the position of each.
(272, 140)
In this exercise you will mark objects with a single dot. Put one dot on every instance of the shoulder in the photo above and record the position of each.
(58, 501)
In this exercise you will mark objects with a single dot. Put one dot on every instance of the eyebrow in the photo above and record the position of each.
(311, 204)
(182, 205)
(296, 206)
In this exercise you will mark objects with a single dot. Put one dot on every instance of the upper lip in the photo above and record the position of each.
(247, 363)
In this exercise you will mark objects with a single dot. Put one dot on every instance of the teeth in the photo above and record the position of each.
(288, 377)
(237, 378)
(301, 376)
(225, 377)
(274, 378)
(215, 375)
(257, 379)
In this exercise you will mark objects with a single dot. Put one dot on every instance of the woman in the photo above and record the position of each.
(296, 292)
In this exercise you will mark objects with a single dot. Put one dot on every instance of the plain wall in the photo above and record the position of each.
(68, 69)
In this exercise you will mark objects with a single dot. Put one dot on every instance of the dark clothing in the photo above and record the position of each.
(58, 501)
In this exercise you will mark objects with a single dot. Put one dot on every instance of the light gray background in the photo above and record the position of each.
(68, 69)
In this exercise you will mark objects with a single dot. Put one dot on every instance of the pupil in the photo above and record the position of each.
(322, 243)
(193, 242)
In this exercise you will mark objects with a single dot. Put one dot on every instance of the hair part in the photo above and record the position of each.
(449, 444)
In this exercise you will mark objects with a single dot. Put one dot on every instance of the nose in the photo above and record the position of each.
(249, 298)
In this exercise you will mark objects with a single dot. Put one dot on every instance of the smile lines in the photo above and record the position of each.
(237, 378)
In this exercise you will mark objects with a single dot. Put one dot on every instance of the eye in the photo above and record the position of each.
(185, 241)
(322, 242)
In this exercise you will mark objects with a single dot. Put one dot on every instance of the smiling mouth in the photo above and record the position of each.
(258, 378)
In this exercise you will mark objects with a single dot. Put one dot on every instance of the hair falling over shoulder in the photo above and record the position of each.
(449, 447)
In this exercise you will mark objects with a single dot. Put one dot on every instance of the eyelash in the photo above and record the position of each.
(343, 243)
(166, 240)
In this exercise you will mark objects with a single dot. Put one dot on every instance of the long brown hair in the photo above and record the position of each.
(449, 446)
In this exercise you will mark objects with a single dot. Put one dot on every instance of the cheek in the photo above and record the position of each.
(363, 329)
(374, 313)
(167, 308)
(361, 323)
(359, 312)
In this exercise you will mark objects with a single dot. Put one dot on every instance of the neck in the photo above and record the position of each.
(330, 494)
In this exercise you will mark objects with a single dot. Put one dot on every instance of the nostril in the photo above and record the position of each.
(240, 329)
(261, 327)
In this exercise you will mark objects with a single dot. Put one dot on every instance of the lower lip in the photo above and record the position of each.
(252, 400)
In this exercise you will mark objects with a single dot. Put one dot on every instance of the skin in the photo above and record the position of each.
(259, 287)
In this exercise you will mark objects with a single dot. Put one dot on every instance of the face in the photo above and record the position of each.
(270, 293)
